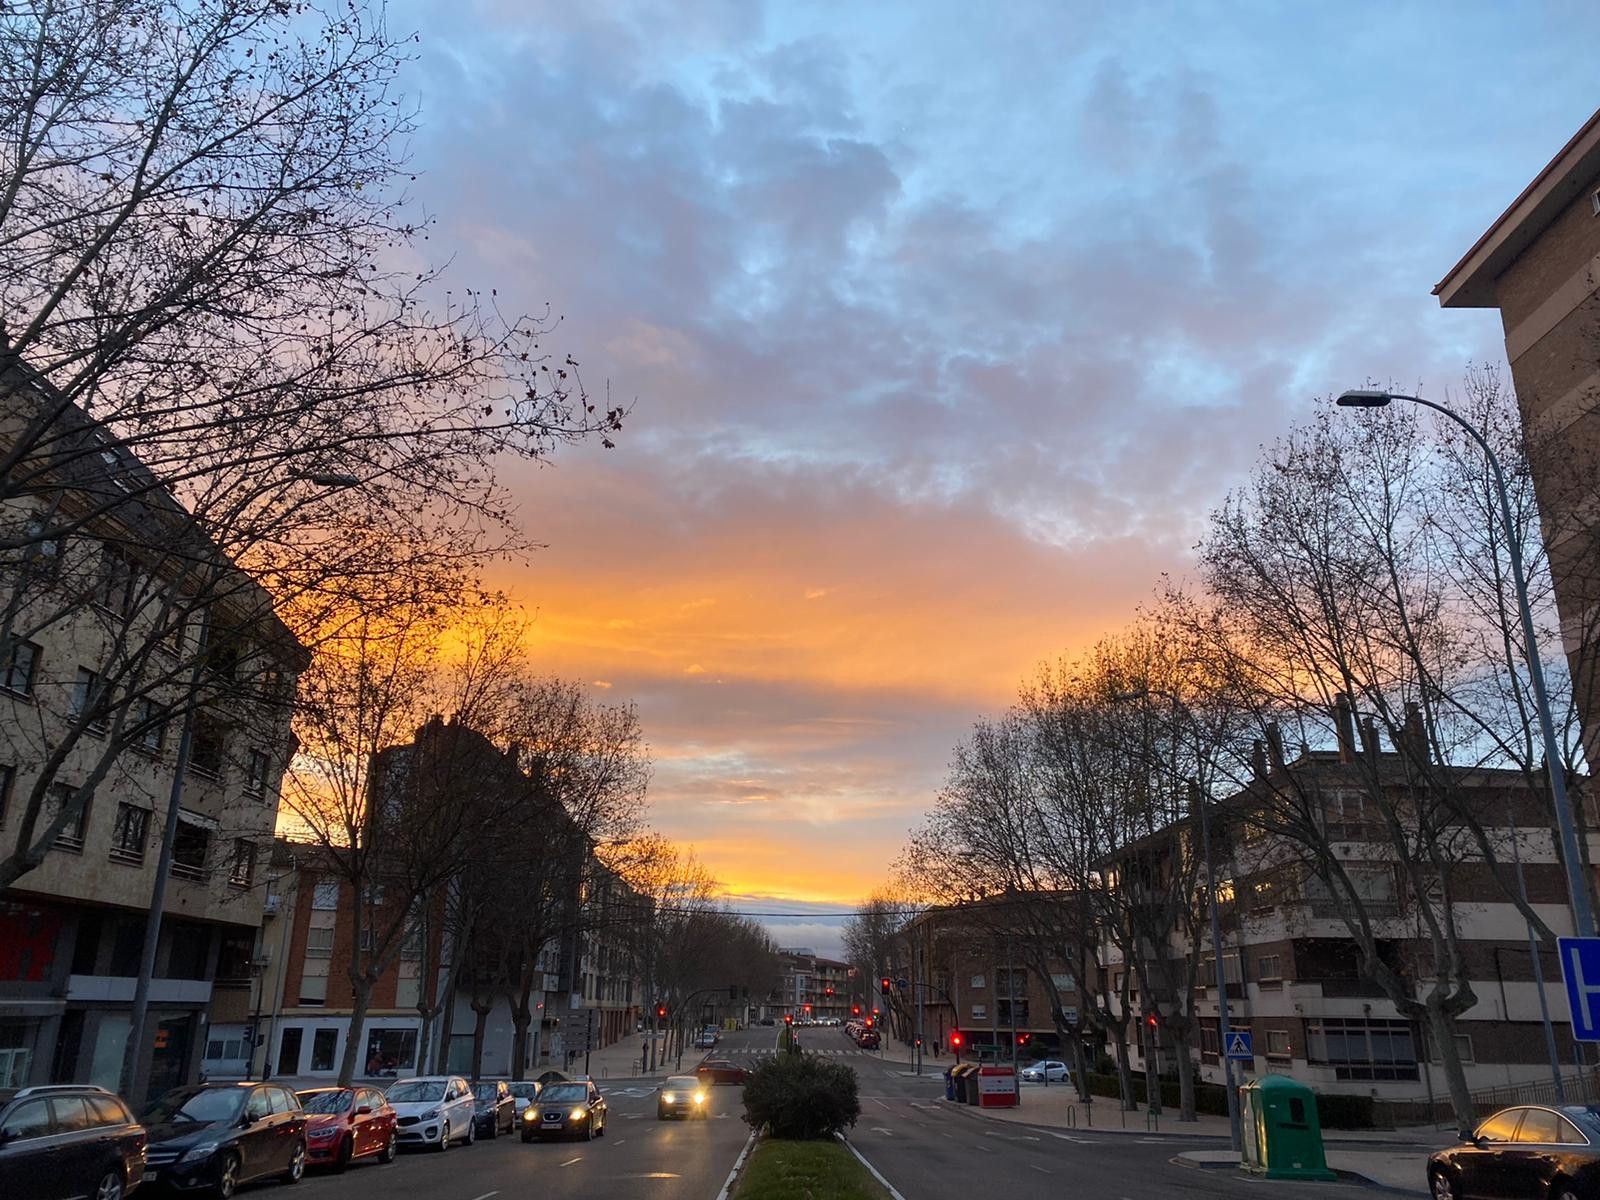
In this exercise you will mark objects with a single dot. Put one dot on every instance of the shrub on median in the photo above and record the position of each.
(801, 1096)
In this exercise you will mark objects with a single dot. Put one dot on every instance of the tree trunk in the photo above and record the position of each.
(447, 1021)
(1442, 1028)
(1186, 1109)
(1080, 1064)
(361, 1000)
(479, 1024)
(1125, 1070)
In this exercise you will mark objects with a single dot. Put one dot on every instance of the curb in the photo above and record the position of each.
(738, 1166)
(1345, 1176)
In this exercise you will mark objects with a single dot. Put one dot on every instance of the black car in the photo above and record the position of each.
(572, 1109)
(65, 1140)
(497, 1108)
(1528, 1151)
(215, 1136)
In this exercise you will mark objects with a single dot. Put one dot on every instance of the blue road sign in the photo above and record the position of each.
(1239, 1046)
(1580, 971)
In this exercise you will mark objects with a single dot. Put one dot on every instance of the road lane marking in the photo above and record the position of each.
(1039, 1169)
(882, 1130)
(876, 1174)
(486, 1196)
(570, 1161)
(727, 1184)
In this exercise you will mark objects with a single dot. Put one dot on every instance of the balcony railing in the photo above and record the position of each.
(189, 871)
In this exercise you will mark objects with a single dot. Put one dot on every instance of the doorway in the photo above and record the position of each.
(289, 1051)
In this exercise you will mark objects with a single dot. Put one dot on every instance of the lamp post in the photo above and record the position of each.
(1224, 1031)
(1582, 913)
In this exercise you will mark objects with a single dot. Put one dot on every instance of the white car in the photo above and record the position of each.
(1048, 1071)
(433, 1110)
(524, 1091)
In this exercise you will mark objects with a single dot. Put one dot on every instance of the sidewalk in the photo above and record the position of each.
(1393, 1170)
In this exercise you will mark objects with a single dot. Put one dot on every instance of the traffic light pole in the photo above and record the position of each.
(916, 1002)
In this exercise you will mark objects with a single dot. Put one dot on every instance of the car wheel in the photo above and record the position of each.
(390, 1148)
(472, 1133)
(444, 1138)
(227, 1177)
(297, 1164)
(494, 1128)
(601, 1132)
(110, 1185)
(1560, 1189)
(346, 1151)
(588, 1130)
(1441, 1187)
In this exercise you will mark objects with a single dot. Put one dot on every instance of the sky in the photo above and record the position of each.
(944, 327)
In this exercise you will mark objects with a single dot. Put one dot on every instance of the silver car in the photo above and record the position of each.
(1047, 1071)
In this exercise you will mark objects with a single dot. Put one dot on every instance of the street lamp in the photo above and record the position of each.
(1582, 914)
(1224, 1031)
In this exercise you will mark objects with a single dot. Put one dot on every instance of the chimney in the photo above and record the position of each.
(1344, 722)
(1416, 733)
(1369, 738)
(1258, 760)
(1275, 746)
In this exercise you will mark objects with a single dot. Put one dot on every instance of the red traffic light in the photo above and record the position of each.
(661, 1010)
(1022, 1039)
(885, 982)
(855, 1010)
(808, 1008)
(875, 1010)
(788, 1018)
(1151, 1020)
(827, 991)
(955, 1040)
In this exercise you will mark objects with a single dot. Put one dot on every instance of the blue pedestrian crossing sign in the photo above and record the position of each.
(1239, 1046)
(1580, 971)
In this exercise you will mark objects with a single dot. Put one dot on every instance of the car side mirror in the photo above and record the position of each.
(363, 1110)
(246, 1120)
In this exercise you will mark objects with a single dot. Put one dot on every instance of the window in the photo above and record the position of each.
(8, 778)
(391, 1050)
(207, 746)
(319, 943)
(152, 737)
(1540, 1126)
(325, 896)
(117, 586)
(189, 849)
(1363, 1048)
(243, 871)
(108, 1110)
(324, 1044)
(86, 698)
(1502, 1127)
(71, 1113)
(313, 989)
(129, 833)
(1277, 1043)
(1264, 892)
(21, 663)
(411, 946)
(1269, 967)
(71, 836)
(1464, 1047)
(256, 777)
(27, 1120)
(260, 1103)
(283, 1101)
(369, 939)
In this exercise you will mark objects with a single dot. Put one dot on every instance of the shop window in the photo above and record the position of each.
(324, 1045)
(390, 1051)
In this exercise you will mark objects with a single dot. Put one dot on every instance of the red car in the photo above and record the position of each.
(720, 1070)
(344, 1124)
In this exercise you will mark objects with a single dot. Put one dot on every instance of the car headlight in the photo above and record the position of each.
(203, 1150)
(578, 1113)
(528, 1114)
(431, 1115)
(699, 1097)
(322, 1135)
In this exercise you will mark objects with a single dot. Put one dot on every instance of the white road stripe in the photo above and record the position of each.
(485, 1196)
(876, 1174)
(570, 1161)
(727, 1184)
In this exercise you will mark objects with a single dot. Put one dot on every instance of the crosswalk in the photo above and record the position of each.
(770, 1051)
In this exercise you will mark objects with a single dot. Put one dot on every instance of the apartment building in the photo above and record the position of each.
(1539, 265)
(1292, 974)
(127, 634)
(810, 985)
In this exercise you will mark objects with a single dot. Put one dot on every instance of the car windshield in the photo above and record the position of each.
(524, 1091)
(487, 1092)
(207, 1104)
(416, 1090)
(564, 1093)
(335, 1101)
(682, 1083)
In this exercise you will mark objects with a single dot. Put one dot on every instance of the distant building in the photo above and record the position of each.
(1539, 264)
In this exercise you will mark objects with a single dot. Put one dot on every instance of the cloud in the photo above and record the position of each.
(972, 320)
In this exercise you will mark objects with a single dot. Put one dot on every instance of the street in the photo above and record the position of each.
(924, 1147)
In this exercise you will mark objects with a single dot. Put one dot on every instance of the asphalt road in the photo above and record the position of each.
(639, 1156)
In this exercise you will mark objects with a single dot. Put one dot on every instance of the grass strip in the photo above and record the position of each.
(823, 1170)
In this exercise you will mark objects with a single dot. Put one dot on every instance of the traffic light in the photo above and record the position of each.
(1151, 1020)
(1022, 1039)
(875, 1011)
(808, 1010)
(788, 1018)
(955, 1039)
(869, 1022)
(885, 982)
(855, 1010)
(661, 1010)
(827, 991)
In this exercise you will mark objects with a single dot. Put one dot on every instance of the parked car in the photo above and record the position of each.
(571, 1109)
(62, 1140)
(549, 1077)
(496, 1110)
(344, 1124)
(1046, 1071)
(768, 1021)
(869, 1039)
(433, 1110)
(705, 1041)
(1527, 1151)
(682, 1096)
(524, 1092)
(720, 1070)
(215, 1136)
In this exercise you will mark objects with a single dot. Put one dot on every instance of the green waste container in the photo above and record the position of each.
(1282, 1135)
